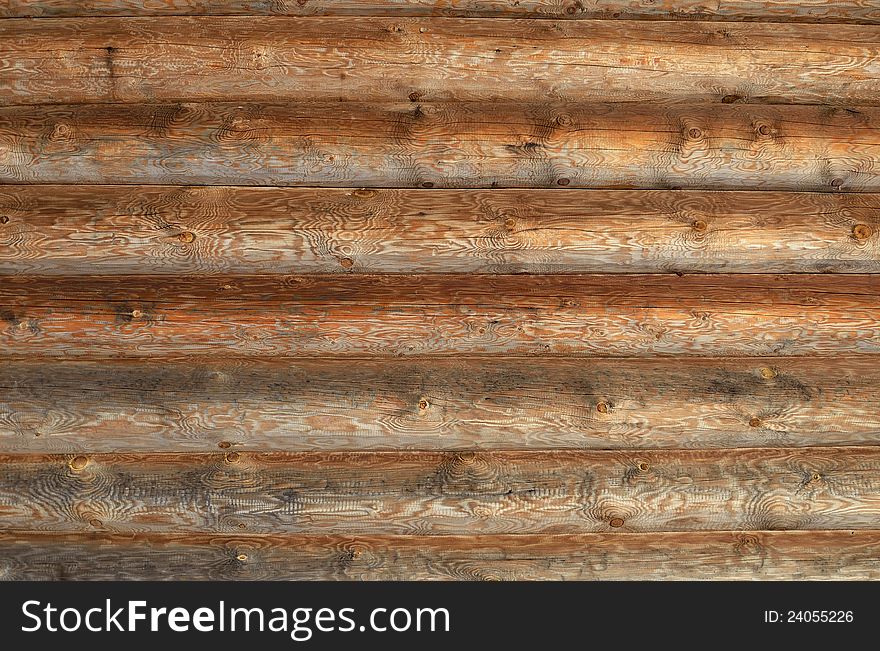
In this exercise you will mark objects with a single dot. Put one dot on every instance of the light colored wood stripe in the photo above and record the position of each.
(723, 147)
(78, 230)
(264, 59)
(479, 403)
(430, 493)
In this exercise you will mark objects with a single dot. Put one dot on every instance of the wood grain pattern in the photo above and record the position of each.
(850, 11)
(279, 59)
(645, 146)
(388, 315)
(474, 403)
(767, 555)
(429, 493)
(80, 230)
(405, 290)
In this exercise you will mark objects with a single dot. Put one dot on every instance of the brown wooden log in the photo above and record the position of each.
(265, 59)
(388, 315)
(855, 11)
(478, 403)
(441, 145)
(764, 555)
(77, 230)
(445, 493)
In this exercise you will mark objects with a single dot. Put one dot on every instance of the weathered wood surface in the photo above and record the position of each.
(80, 230)
(854, 11)
(347, 373)
(475, 403)
(768, 555)
(396, 315)
(642, 145)
(279, 59)
(429, 493)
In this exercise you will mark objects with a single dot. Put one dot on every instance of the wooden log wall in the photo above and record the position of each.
(410, 289)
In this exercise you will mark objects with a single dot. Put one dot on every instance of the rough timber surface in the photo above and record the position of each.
(726, 555)
(447, 315)
(434, 493)
(423, 289)
(468, 145)
(437, 404)
(836, 11)
(81, 230)
(279, 59)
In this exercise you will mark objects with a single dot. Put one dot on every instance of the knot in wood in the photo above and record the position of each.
(563, 120)
(616, 522)
(79, 462)
(747, 543)
(60, 132)
(466, 458)
(862, 231)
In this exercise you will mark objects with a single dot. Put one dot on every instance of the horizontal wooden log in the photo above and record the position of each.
(396, 315)
(855, 11)
(280, 59)
(479, 403)
(440, 145)
(445, 493)
(765, 555)
(76, 230)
